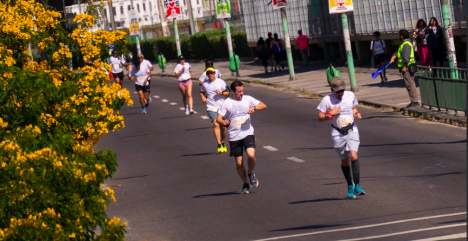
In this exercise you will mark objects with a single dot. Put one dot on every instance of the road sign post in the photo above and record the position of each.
(172, 9)
(282, 4)
(448, 34)
(134, 27)
(343, 6)
(223, 11)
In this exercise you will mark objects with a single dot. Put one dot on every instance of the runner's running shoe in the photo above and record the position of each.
(220, 148)
(245, 188)
(359, 191)
(351, 191)
(143, 111)
(253, 180)
(224, 148)
(187, 110)
(148, 102)
(192, 112)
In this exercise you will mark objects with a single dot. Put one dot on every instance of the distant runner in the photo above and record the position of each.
(237, 110)
(213, 92)
(140, 74)
(340, 108)
(117, 67)
(183, 72)
(148, 64)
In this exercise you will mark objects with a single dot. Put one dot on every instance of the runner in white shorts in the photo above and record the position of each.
(340, 108)
(237, 110)
(213, 92)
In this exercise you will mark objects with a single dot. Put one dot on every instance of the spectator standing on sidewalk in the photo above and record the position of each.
(435, 41)
(262, 53)
(378, 50)
(278, 46)
(419, 35)
(405, 55)
(303, 42)
(270, 50)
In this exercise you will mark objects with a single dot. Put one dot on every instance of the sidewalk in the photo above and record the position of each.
(312, 79)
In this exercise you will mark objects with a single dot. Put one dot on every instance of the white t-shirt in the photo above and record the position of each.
(116, 64)
(346, 117)
(148, 64)
(185, 75)
(203, 77)
(236, 112)
(214, 100)
(140, 74)
(379, 46)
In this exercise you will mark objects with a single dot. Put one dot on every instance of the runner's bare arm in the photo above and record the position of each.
(260, 106)
(180, 72)
(191, 73)
(220, 120)
(203, 98)
(356, 114)
(322, 117)
(148, 76)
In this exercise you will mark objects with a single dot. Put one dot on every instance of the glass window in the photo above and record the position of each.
(121, 10)
(144, 7)
(128, 7)
(138, 7)
(113, 10)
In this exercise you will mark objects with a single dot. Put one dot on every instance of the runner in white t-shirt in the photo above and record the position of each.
(183, 73)
(117, 65)
(204, 77)
(340, 108)
(213, 92)
(237, 110)
(377, 47)
(148, 64)
(140, 74)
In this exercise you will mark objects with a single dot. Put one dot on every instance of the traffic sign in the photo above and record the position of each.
(223, 9)
(340, 6)
(172, 8)
(277, 4)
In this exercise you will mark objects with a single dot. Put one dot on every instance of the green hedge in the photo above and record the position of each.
(198, 46)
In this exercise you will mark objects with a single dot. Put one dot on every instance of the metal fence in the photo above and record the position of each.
(438, 88)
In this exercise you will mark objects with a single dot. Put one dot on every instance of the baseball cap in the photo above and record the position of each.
(181, 57)
(337, 83)
(210, 69)
(269, 34)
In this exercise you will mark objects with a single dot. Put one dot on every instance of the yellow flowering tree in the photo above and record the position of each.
(50, 118)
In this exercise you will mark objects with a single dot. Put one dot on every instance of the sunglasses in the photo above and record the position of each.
(209, 73)
(140, 57)
(339, 91)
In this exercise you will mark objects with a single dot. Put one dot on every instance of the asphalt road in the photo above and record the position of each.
(171, 185)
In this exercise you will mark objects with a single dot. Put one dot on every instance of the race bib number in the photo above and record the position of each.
(185, 76)
(241, 120)
(344, 121)
(116, 66)
(141, 79)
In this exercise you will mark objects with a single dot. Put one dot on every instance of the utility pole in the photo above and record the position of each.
(111, 13)
(104, 19)
(177, 40)
(349, 52)
(193, 25)
(152, 22)
(287, 39)
(448, 34)
(162, 16)
(137, 38)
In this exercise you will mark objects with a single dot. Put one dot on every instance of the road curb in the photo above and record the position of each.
(420, 113)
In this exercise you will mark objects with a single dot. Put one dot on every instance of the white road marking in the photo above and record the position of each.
(195, 112)
(182, 108)
(362, 227)
(446, 237)
(205, 117)
(403, 104)
(270, 148)
(173, 103)
(405, 232)
(135, 92)
(156, 96)
(295, 159)
(164, 100)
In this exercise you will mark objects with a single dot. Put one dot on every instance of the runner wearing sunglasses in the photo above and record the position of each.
(148, 65)
(213, 92)
(340, 108)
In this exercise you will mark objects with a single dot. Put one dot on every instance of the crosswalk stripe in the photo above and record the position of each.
(164, 100)
(270, 148)
(446, 237)
(181, 108)
(173, 103)
(205, 117)
(156, 96)
(295, 159)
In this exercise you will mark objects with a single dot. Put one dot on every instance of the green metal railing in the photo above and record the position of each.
(438, 88)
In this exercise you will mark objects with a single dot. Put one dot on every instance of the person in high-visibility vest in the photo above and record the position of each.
(405, 56)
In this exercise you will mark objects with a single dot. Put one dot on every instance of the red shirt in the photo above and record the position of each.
(303, 42)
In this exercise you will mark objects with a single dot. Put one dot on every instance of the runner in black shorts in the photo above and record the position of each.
(237, 110)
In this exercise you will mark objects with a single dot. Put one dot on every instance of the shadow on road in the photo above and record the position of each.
(216, 194)
(202, 154)
(390, 144)
(308, 227)
(318, 200)
(201, 128)
(175, 117)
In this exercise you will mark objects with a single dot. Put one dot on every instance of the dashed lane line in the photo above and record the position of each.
(270, 148)
(173, 103)
(164, 100)
(181, 108)
(205, 117)
(363, 226)
(446, 237)
(156, 96)
(295, 159)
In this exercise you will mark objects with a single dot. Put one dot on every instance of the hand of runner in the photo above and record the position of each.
(336, 110)
(226, 122)
(204, 101)
(219, 92)
(357, 115)
(251, 110)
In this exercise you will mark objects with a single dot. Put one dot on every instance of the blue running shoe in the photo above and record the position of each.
(143, 111)
(359, 191)
(351, 191)
(253, 180)
(149, 100)
(245, 188)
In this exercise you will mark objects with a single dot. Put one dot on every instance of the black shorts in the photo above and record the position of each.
(142, 88)
(238, 147)
(379, 58)
(118, 75)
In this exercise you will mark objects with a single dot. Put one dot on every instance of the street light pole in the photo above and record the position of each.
(349, 52)
(448, 34)
(287, 39)
(111, 13)
(177, 40)
(193, 26)
(162, 17)
(137, 38)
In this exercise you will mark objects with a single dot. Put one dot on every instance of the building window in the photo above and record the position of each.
(185, 4)
(105, 12)
(199, 11)
(138, 7)
(198, 2)
(128, 7)
(146, 20)
(121, 10)
(113, 10)
(144, 7)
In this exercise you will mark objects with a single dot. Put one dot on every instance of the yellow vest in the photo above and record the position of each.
(400, 60)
